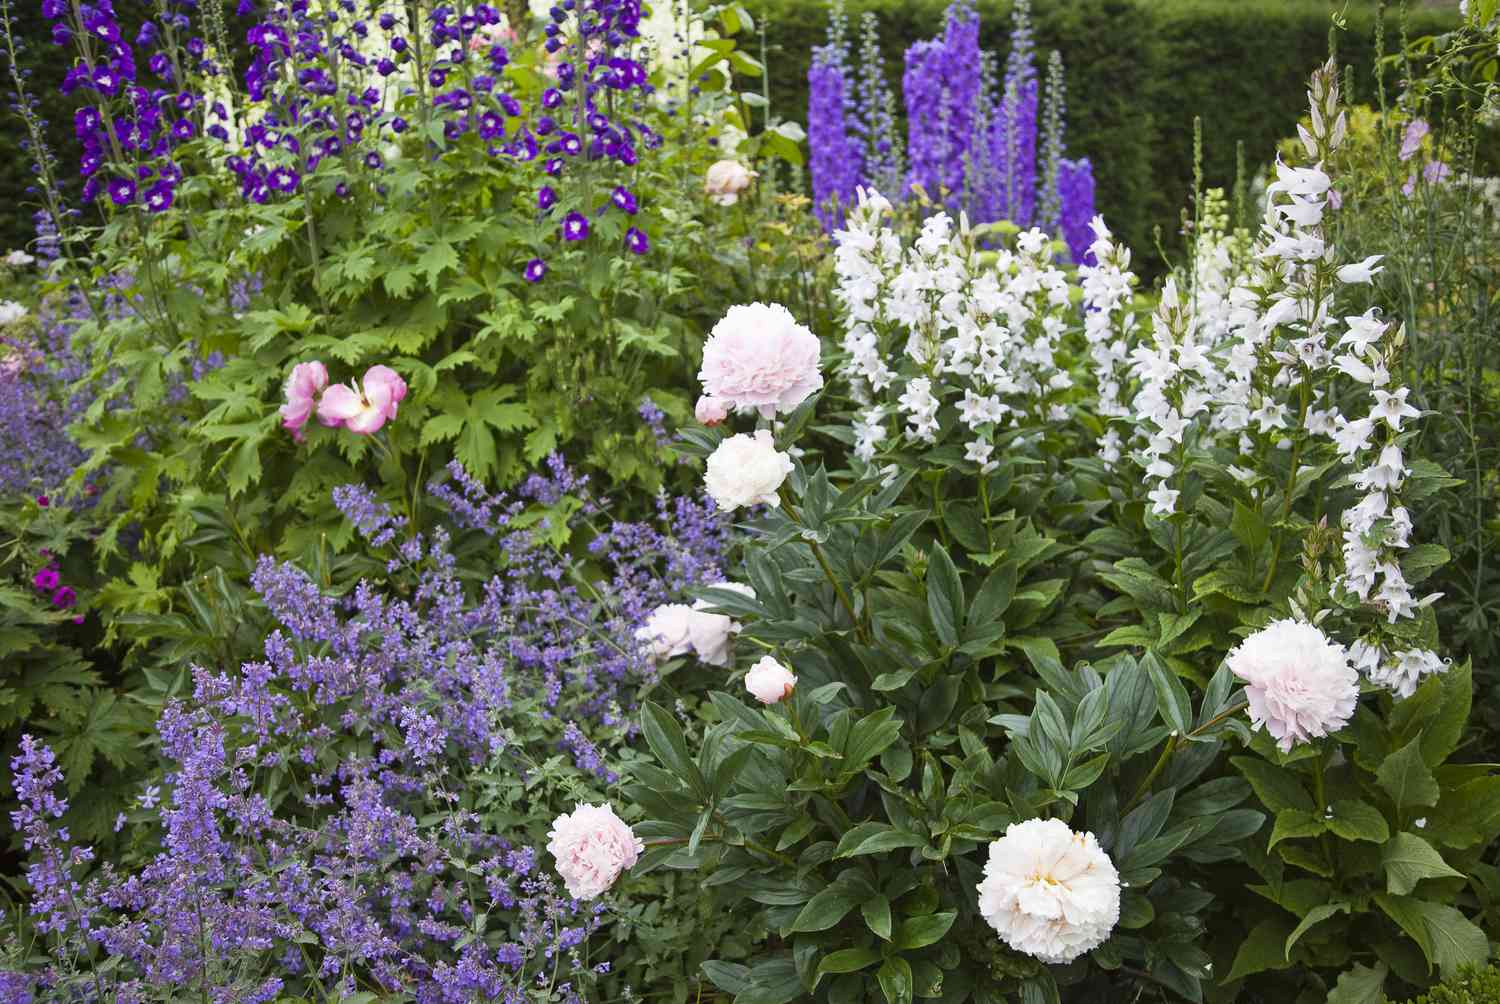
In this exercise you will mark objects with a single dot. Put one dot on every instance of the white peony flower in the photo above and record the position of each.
(712, 634)
(668, 632)
(746, 471)
(769, 681)
(592, 846)
(1049, 892)
(11, 312)
(726, 179)
(1300, 685)
(759, 358)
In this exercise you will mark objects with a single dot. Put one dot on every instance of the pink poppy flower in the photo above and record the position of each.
(302, 389)
(364, 410)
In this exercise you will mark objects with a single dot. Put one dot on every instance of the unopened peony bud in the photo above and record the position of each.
(710, 410)
(769, 681)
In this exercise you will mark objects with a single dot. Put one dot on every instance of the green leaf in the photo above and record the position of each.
(1406, 778)
(919, 932)
(665, 738)
(1353, 819)
(1294, 823)
(1403, 910)
(1277, 788)
(1360, 985)
(825, 909)
(877, 913)
(1456, 941)
(1264, 948)
(945, 596)
(1249, 528)
(1314, 917)
(1408, 859)
(874, 838)
(1171, 696)
(849, 960)
(895, 981)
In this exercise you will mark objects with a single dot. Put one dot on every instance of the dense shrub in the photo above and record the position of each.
(1475, 986)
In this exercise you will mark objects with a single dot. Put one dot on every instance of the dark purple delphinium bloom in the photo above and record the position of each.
(1013, 129)
(836, 161)
(1075, 189)
(942, 91)
(535, 270)
(884, 151)
(636, 241)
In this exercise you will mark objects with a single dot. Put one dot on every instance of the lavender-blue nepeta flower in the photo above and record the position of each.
(334, 812)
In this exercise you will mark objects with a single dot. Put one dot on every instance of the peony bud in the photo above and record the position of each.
(710, 410)
(769, 681)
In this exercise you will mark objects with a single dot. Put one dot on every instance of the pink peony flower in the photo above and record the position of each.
(769, 681)
(592, 846)
(759, 357)
(1299, 684)
(710, 410)
(364, 411)
(302, 389)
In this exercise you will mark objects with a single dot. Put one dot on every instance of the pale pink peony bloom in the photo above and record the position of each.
(304, 385)
(746, 471)
(1049, 892)
(1300, 685)
(592, 846)
(769, 681)
(758, 357)
(710, 410)
(725, 180)
(364, 411)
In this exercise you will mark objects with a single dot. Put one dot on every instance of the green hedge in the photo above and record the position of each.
(1138, 72)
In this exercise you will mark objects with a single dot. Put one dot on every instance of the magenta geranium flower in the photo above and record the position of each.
(363, 410)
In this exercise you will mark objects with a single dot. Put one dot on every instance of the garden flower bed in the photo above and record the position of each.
(491, 511)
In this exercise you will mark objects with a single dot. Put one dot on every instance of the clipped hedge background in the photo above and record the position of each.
(1138, 71)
